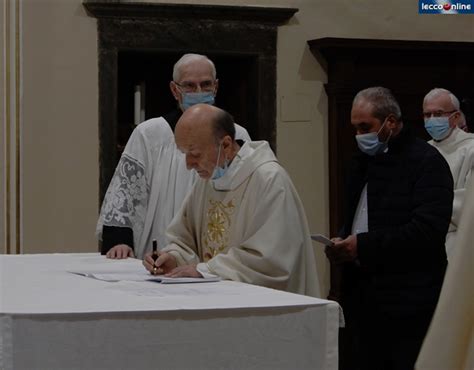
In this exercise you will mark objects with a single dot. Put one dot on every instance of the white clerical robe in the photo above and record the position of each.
(449, 343)
(458, 150)
(149, 184)
(248, 225)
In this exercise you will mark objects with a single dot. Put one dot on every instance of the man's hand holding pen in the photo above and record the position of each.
(162, 264)
(158, 263)
(165, 263)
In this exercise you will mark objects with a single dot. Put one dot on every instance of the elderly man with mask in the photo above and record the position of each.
(442, 116)
(243, 220)
(151, 180)
(391, 248)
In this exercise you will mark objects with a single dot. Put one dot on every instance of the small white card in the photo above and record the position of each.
(322, 239)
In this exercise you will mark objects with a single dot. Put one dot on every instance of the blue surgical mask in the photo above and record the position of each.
(190, 99)
(369, 143)
(438, 127)
(219, 171)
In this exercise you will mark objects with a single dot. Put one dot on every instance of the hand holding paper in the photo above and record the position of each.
(322, 239)
(344, 250)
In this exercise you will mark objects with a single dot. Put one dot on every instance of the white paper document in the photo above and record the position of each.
(141, 276)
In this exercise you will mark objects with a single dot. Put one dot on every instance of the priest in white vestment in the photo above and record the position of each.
(442, 114)
(243, 219)
(151, 180)
(449, 343)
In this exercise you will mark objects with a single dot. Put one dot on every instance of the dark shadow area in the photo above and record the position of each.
(141, 42)
(237, 76)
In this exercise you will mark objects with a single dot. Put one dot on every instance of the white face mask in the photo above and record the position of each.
(190, 99)
(438, 127)
(370, 144)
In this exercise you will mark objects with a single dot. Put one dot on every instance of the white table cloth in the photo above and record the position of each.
(53, 319)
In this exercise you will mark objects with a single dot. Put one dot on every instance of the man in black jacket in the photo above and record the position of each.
(391, 248)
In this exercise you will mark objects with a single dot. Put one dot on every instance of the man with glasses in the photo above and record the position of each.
(442, 116)
(151, 180)
(243, 220)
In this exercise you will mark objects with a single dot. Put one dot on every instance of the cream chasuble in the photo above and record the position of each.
(149, 184)
(248, 226)
(449, 343)
(458, 151)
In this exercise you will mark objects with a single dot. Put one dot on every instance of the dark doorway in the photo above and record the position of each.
(237, 94)
(142, 41)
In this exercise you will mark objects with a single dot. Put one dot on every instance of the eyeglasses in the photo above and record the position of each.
(438, 113)
(186, 86)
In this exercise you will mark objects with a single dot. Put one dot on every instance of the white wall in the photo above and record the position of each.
(60, 106)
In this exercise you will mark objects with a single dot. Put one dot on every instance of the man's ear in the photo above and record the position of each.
(392, 122)
(174, 90)
(217, 86)
(227, 143)
(455, 119)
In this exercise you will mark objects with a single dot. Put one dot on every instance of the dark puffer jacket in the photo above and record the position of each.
(401, 259)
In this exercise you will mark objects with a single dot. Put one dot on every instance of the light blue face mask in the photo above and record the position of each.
(190, 99)
(219, 171)
(438, 127)
(369, 143)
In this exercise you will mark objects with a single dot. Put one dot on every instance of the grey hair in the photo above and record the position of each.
(439, 91)
(189, 58)
(382, 100)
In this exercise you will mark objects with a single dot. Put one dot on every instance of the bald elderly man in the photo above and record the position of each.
(243, 220)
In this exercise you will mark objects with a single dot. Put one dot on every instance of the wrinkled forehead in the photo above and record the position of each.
(196, 71)
(439, 102)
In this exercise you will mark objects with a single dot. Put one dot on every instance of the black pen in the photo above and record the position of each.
(155, 255)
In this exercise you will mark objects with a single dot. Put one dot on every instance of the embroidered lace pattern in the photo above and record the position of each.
(127, 196)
